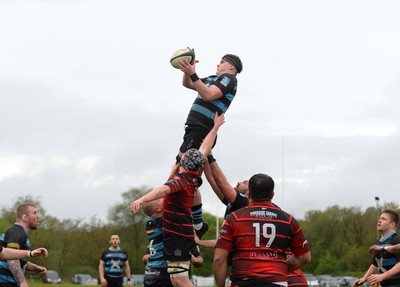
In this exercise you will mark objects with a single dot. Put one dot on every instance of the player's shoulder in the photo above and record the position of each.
(396, 238)
(16, 230)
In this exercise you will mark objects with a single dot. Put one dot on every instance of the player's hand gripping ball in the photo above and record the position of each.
(182, 54)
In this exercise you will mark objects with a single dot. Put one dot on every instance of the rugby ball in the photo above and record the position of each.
(182, 54)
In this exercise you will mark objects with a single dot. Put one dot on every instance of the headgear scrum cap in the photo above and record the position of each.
(234, 61)
(193, 160)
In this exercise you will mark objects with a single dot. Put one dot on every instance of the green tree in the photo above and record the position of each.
(339, 237)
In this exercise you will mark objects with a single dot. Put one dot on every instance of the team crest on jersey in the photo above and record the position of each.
(178, 252)
(225, 81)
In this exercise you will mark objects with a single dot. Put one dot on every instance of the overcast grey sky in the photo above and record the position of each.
(91, 107)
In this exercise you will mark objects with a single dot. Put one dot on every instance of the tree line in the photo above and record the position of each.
(339, 237)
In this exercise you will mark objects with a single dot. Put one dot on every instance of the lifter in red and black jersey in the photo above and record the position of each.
(178, 193)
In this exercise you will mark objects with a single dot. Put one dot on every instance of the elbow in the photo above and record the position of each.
(306, 258)
(309, 257)
(218, 261)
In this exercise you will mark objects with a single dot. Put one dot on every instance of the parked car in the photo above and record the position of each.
(333, 282)
(83, 279)
(347, 281)
(323, 280)
(311, 280)
(51, 277)
(137, 279)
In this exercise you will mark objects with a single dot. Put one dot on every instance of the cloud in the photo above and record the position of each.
(91, 107)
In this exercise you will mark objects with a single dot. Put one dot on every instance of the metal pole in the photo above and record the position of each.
(377, 215)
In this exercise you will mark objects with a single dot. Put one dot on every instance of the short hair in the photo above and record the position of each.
(394, 216)
(261, 187)
(234, 61)
(23, 209)
(149, 207)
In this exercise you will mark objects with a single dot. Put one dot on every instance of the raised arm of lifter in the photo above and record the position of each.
(207, 93)
(207, 143)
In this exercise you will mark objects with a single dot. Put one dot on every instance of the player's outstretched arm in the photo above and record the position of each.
(156, 193)
(390, 249)
(15, 254)
(208, 142)
(193, 82)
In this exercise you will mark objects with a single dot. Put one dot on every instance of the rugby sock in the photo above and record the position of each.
(197, 216)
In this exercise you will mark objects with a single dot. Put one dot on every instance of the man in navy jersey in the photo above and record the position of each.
(156, 273)
(215, 94)
(16, 237)
(259, 237)
(114, 264)
(385, 267)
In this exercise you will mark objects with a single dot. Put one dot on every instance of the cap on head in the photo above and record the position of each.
(261, 187)
(193, 160)
(234, 61)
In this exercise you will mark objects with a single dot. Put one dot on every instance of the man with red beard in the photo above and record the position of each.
(16, 237)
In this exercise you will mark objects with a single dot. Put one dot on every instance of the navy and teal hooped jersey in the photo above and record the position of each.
(155, 248)
(156, 269)
(114, 261)
(385, 261)
(240, 201)
(202, 112)
(17, 238)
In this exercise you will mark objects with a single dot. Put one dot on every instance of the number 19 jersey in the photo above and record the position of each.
(259, 236)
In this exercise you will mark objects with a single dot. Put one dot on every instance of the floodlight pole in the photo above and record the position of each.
(377, 216)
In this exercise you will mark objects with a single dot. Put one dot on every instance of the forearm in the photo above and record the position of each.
(207, 243)
(156, 193)
(220, 267)
(31, 266)
(296, 262)
(207, 93)
(371, 270)
(187, 82)
(395, 270)
(223, 185)
(211, 181)
(208, 142)
(13, 254)
(393, 248)
(15, 269)
(101, 270)
(127, 270)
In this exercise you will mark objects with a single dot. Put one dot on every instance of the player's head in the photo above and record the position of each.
(152, 208)
(234, 61)
(114, 240)
(242, 186)
(261, 187)
(28, 216)
(193, 160)
(389, 219)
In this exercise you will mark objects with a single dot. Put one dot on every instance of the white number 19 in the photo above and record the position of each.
(268, 231)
